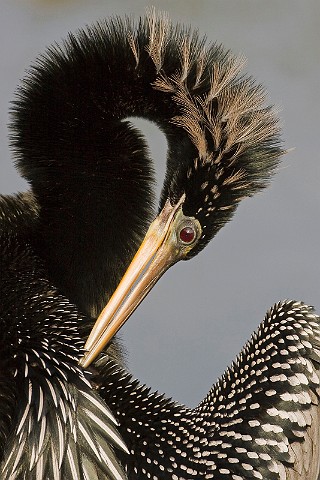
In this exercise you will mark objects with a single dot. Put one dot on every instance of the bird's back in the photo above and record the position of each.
(259, 421)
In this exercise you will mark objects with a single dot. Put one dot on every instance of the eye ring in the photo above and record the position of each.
(187, 235)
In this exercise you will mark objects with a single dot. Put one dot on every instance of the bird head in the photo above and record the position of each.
(90, 171)
(223, 146)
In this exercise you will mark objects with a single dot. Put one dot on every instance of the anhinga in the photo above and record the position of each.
(66, 244)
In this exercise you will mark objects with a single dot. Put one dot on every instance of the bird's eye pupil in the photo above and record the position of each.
(187, 235)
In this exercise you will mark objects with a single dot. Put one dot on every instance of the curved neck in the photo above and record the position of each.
(88, 167)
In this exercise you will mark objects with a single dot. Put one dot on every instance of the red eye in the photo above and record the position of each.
(187, 235)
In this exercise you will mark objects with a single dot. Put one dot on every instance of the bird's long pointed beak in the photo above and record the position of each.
(154, 256)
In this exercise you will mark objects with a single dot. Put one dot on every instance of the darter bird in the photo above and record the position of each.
(73, 411)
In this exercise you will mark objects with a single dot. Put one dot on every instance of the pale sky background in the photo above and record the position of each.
(201, 313)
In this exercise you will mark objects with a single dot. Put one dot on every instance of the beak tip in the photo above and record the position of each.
(84, 362)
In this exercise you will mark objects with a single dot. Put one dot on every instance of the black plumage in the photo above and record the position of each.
(66, 244)
(260, 420)
(52, 423)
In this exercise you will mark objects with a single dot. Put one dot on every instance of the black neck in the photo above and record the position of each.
(88, 167)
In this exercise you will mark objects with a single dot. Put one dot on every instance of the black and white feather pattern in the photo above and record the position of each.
(53, 424)
(259, 421)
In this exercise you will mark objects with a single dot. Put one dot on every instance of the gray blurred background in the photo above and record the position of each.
(201, 313)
